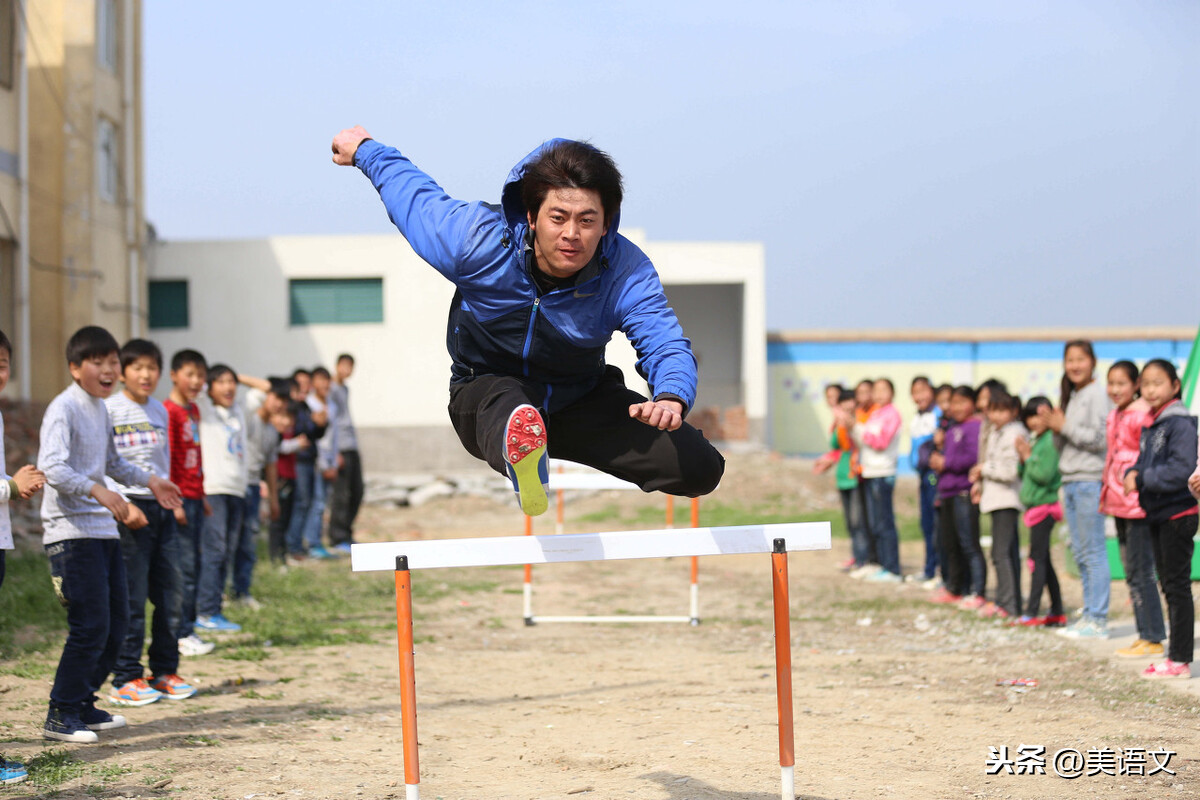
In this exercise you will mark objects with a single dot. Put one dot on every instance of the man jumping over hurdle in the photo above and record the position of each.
(543, 281)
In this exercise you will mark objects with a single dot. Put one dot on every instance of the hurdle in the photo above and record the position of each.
(778, 540)
(560, 481)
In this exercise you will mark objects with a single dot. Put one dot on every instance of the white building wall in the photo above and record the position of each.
(238, 314)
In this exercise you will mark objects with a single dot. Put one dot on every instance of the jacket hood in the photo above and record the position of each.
(1175, 409)
(514, 207)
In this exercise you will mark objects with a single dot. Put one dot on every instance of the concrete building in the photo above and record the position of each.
(267, 306)
(803, 363)
(72, 220)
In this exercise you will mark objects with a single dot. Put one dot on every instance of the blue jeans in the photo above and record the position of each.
(188, 542)
(1081, 504)
(882, 521)
(246, 554)
(217, 543)
(89, 577)
(151, 556)
(856, 524)
(927, 491)
(316, 511)
(963, 568)
(302, 498)
(1137, 554)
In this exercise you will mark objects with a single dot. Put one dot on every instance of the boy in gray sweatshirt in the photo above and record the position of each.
(79, 519)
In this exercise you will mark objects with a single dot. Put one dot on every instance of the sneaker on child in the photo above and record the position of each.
(971, 602)
(193, 645)
(173, 687)
(1086, 628)
(525, 457)
(943, 595)
(1141, 649)
(1168, 670)
(217, 624)
(97, 719)
(248, 601)
(1055, 621)
(883, 576)
(65, 726)
(865, 571)
(12, 772)
(134, 693)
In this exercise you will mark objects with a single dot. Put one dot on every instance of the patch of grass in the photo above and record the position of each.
(54, 767)
(200, 740)
(245, 653)
(250, 694)
(29, 667)
(34, 620)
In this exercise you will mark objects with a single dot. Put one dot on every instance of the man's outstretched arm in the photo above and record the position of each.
(441, 230)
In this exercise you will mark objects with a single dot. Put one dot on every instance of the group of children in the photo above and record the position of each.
(160, 501)
(1125, 448)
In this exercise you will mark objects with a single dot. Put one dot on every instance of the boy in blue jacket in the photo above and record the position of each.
(542, 283)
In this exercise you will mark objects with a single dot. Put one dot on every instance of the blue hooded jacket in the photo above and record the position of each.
(498, 324)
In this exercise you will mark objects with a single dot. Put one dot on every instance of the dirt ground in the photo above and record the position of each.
(894, 697)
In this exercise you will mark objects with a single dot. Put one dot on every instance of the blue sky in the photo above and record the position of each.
(906, 164)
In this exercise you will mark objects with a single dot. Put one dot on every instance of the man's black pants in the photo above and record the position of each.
(595, 430)
(345, 499)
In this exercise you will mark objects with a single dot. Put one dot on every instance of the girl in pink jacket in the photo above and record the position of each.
(1125, 423)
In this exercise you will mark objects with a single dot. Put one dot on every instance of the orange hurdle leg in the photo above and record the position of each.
(695, 587)
(528, 577)
(408, 684)
(783, 668)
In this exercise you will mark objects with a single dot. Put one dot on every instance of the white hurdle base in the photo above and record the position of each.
(412, 791)
(788, 781)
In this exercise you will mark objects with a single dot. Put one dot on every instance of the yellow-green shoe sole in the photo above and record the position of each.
(530, 490)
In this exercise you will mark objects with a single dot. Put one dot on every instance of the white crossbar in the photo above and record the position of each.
(504, 550)
(588, 480)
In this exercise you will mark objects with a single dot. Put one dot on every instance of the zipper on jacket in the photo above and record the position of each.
(533, 313)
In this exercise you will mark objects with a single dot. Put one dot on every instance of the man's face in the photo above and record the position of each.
(97, 375)
(345, 368)
(302, 385)
(320, 385)
(567, 230)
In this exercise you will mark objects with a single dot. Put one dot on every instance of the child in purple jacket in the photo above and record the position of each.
(965, 572)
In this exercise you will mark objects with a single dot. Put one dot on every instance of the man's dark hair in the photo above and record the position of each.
(298, 371)
(321, 372)
(344, 357)
(5, 344)
(140, 348)
(920, 379)
(184, 357)
(573, 165)
(91, 341)
(845, 395)
(281, 388)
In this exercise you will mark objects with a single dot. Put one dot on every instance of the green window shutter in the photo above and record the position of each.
(168, 304)
(335, 301)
